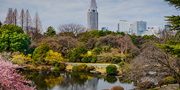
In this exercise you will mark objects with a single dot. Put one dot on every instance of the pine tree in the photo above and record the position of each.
(174, 20)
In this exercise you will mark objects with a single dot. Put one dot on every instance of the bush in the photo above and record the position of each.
(169, 80)
(82, 67)
(111, 79)
(75, 55)
(111, 69)
(146, 85)
(160, 83)
(87, 69)
(62, 66)
(75, 68)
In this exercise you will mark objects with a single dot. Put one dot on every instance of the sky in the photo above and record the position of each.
(57, 12)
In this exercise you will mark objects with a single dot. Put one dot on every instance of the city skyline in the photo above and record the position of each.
(57, 12)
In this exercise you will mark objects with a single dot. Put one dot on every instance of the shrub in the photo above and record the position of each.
(91, 67)
(75, 68)
(75, 55)
(146, 85)
(169, 80)
(87, 59)
(111, 69)
(82, 67)
(111, 79)
(117, 88)
(40, 53)
(87, 69)
(62, 66)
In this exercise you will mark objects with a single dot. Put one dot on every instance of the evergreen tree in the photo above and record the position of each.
(174, 20)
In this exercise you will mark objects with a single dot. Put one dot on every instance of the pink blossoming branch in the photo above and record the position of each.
(10, 79)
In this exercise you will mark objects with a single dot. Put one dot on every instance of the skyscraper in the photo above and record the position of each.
(92, 16)
(124, 26)
(139, 27)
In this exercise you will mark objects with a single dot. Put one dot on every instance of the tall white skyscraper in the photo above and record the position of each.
(92, 16)
(124, 26)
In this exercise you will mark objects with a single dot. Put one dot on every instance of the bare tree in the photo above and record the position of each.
(28, 23)
(153, 59)
(22, 19)
(9, 18)
(74, 28)
(15, 17)
(125, 44)
(36, 30)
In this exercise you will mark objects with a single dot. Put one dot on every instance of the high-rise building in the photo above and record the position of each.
(139, 27)
(92, 16)
(124, 26)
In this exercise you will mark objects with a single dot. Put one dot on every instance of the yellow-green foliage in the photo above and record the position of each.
(52, 81)
(169, 80)
(53, 57)
(21, 59)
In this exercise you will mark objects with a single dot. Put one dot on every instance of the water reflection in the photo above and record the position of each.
(72, 81)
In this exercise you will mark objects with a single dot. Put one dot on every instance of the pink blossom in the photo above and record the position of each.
(10, 79)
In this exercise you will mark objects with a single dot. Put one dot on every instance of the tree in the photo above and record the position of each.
(9, 18)
(11, 78)
(15, 17)
(176, 3)
(36, 31)
(74, 28)
(0, 24)
(50, 31)
(40, 53)
(12, 38)
(22, 19)
(174, 20)
(28, 23)
(154, 59)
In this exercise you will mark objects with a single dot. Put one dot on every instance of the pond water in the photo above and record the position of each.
(46, 80)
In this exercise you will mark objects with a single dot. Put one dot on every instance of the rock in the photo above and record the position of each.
(117, 88)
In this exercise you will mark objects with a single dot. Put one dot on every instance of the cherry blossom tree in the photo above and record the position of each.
(10, 79)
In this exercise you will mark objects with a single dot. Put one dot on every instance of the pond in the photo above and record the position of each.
(47, 80)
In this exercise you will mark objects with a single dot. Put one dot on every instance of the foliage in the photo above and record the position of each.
(10, 78)
(75, 55)
(174, 20)
(169, 80)
(50, 31)
(111, 79)
(52, 81)
(40, 53)
(75, 68)
(53, 57)
(12, 38)
(82, 67)
(111, 69)
(62, 66)
(97, 50)
(173, 49)
(146, 85)
(21, 59)
(176, 3)
(124, 66)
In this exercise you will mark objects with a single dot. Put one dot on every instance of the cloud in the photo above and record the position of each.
(57, 12)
